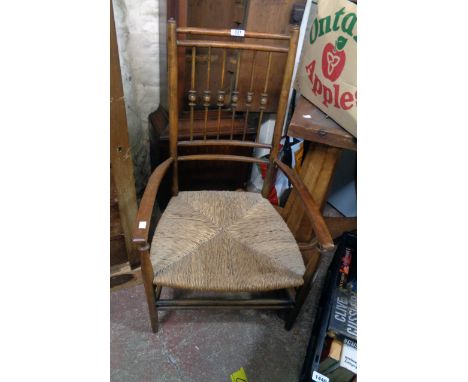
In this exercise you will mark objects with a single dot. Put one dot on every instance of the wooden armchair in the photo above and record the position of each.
(225, 241)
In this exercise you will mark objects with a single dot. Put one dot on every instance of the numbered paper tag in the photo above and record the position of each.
(319, 377)
(239, 376)
(237, 32)
(142, 225)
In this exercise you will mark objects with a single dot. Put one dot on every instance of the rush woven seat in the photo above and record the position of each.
(224, 241)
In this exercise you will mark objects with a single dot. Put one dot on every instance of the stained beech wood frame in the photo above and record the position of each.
(227, 33)
(238, 45)
(293, 297)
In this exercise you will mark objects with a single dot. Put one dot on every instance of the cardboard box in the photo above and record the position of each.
(327, 71)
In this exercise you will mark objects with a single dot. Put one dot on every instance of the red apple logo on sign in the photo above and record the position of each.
(333, 59)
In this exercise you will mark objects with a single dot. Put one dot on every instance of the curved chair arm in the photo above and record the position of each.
(140, 233)
(313, 211)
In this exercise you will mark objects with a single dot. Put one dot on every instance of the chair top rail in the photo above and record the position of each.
(228, 33)
(231, 45)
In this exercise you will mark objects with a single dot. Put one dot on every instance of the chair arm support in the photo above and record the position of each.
(140, 235)
(312, 209)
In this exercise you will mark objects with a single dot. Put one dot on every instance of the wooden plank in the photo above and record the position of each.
(266, 17)
(316, 173)
(254, 16)
(164, 7)
(115, 226)
(310, 207)
(118, 251)
(181, 17)
(312, 124)
(214, 14)
(120, 155)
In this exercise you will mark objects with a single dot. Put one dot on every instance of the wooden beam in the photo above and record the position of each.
(120, 155)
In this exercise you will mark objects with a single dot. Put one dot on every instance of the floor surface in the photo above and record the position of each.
(209, 345)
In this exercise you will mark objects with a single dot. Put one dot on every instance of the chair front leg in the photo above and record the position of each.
(304, 290)
(148, 277)
(315, 274)
(301, 296)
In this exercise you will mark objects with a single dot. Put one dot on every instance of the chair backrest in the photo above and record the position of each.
(211, 131)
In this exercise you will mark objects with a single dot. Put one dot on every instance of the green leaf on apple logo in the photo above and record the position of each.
(340, 43)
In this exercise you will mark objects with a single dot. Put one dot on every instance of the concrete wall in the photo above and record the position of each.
(136, 23)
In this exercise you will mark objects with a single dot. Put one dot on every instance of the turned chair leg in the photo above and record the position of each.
(153, 312)
(304, 290)
(294, 312)
(148, 277)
